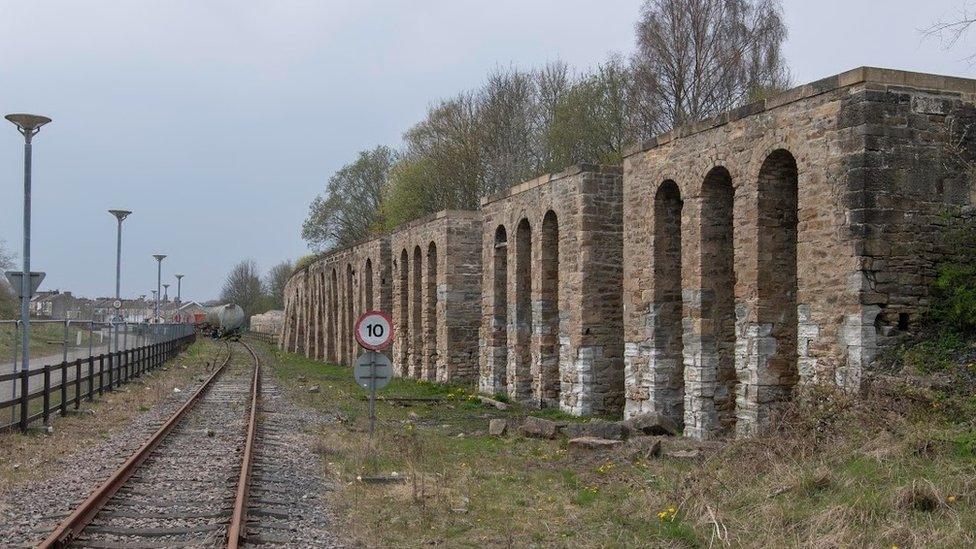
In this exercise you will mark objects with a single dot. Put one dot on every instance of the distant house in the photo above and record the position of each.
(56, 305)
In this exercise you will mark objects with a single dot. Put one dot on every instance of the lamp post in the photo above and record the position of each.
(120, 215)
(179, 302)
(28, 125)
(159, 280)
(179, 284)
(152, 329)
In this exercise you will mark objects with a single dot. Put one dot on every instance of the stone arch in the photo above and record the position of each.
(430, 314)
(776, 285)
(718, 297)
(499, 300)
(548, 324)
(350, 295)
(416, 316)
(404, 314)
(322, 321)
(368, 284)
(519, 371)
(668, 364)
(335, 343)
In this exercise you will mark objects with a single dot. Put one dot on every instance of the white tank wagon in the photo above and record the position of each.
(226, 318)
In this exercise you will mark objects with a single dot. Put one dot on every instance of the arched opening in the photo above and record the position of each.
(430, 316)
(322, 320)
(334, 339)
(368, 284)
(350, 355)
(549, 312)
(520, 375)
(669, 362)
(499, 321)
(416, 320)
(777, 276)
(404, 314)
(718, 291)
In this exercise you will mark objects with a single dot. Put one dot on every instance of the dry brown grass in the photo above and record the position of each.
(30, 457)
(893, 467)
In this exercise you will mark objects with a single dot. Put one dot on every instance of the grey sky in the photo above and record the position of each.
(218, 121)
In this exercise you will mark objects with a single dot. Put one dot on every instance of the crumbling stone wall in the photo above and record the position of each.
(436, 272)
(807, 228)
(551, 318)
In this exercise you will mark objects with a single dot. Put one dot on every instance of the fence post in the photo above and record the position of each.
(47, 394)
(101, 374)
(24, 399)
(91, 377)
(64, 388)
(77, 383)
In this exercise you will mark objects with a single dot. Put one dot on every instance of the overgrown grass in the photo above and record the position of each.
(891, 468)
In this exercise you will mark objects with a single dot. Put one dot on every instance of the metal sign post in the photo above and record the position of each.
(373, 370)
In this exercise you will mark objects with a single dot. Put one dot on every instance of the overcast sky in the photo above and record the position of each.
(218, 121)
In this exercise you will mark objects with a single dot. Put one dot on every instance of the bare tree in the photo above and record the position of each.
(696, 58)
(274, 283)
(349, 209)
(506, 111)
(243, 287)
(951, 29)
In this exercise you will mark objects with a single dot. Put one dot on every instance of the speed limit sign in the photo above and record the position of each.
(374, 330)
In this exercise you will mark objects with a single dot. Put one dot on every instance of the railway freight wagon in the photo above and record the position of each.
(226, 319)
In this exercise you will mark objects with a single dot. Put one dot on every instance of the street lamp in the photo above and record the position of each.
(159, 279)
(120, 215)
(28, 125)
(179, 285)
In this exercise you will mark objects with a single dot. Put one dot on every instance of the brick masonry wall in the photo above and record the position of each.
(824, 201)
(551, 318)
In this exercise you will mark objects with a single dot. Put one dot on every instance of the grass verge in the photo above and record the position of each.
(895, 467)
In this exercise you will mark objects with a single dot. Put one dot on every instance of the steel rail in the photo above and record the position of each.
(70, 527)
(238, 520)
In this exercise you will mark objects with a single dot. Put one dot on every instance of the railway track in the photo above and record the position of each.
(189, 483)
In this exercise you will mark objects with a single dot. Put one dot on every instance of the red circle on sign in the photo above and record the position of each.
(387, 336)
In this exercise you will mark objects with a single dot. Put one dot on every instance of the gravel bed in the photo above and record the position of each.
(30, 512)
(287, 506)
(183, 493)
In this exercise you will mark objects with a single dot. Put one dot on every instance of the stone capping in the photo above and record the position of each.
(916, 80)
(443, 214)
(546, 178)
(470, 214)
(334, 253)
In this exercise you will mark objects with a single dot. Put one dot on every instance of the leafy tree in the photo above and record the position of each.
(274, 283)
(349, 208)
(243, 287)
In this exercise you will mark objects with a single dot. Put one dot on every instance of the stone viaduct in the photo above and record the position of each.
(786, 242)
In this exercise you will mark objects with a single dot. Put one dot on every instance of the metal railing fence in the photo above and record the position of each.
(138, 348)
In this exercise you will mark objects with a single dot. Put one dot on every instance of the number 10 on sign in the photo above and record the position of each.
(374, 330)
